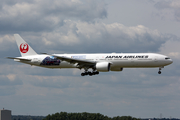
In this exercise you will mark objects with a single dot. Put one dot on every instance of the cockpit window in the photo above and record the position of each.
(167, 58)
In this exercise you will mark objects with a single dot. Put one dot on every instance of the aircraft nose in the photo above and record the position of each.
(170, 61)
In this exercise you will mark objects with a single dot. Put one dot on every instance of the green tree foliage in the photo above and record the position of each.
(84, 116)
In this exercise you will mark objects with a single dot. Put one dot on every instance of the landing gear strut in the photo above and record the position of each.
(159, 72)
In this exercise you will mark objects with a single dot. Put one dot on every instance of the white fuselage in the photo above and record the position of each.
(117, 60)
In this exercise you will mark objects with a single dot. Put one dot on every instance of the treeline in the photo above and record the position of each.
(80, 116)
(84, 116)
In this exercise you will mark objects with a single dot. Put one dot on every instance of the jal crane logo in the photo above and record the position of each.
(24, 47)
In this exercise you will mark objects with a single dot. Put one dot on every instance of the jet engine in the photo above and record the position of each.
(103, 66)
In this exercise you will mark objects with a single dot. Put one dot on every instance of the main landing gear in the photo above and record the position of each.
(90, 73)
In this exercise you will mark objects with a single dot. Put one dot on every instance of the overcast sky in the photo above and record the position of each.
(91, 26)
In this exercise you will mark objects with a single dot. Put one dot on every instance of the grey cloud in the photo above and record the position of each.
(96, 94)
(99, 37)
(7, 46)
(9, 83)
(9, 80)
(85, 10)
(163, 4)
(59, 82)
(9, 75)
(167, 8)
(46, 15)
(7, 90)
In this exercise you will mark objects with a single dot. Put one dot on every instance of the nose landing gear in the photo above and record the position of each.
(159, 72)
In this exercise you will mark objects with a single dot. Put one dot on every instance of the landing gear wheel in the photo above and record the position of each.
(82, 74)
(159, 72)
(97, 72)
(90, 74)
(86, 73)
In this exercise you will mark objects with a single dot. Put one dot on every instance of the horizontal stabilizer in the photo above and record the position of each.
(19, 59)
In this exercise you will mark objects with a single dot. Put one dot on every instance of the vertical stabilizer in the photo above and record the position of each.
(23, 47)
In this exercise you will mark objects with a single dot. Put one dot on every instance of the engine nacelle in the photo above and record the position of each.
(103, 66)
(116, 69)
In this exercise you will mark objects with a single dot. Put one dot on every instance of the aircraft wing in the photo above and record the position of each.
(19, 58)
(79, 62)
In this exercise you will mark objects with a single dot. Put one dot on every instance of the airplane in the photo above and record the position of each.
(103, 62)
